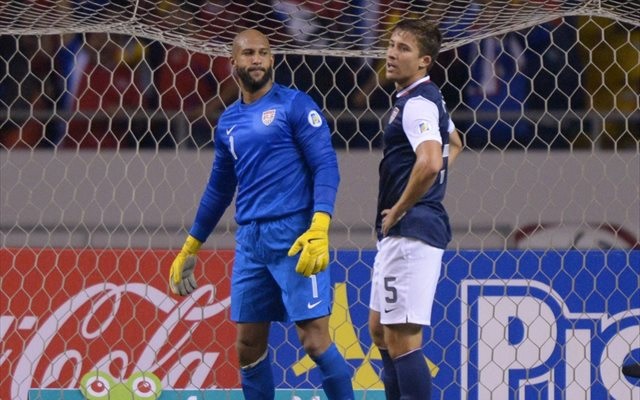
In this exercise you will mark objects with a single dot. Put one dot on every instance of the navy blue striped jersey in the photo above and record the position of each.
(419, 114)
(277, 153)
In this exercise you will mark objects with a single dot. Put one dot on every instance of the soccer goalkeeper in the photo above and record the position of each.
(273, 145)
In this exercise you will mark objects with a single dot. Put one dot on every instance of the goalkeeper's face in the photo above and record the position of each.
(252, 60)
(254, 78)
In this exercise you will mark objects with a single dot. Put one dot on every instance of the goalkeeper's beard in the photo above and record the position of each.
(249, 83)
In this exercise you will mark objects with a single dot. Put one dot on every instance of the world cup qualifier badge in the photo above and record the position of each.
(424, 127)
(268, 116)
(314, 118)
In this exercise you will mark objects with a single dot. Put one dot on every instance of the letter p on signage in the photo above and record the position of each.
(509, 340)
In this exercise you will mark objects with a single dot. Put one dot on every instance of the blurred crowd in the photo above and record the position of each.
(532, 88)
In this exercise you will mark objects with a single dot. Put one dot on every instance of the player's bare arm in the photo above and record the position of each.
(455, 146)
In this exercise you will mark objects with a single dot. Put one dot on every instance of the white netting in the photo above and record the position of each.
(337, 27)
(107, 110)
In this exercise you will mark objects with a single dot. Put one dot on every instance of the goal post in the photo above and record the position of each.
(107, 110)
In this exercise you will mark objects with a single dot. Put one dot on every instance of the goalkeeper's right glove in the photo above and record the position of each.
(181, 280)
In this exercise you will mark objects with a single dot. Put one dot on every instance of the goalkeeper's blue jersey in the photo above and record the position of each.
(277, 153)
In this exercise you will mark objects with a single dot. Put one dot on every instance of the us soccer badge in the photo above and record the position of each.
(268, 116)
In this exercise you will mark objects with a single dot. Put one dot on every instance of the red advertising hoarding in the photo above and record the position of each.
(64, 312)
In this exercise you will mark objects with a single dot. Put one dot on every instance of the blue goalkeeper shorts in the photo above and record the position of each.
(264, 283)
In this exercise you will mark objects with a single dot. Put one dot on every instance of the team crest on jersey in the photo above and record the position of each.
(268, 116)
(395, 112)
(314, 118)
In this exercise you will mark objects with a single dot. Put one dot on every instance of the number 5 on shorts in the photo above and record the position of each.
(393, 292)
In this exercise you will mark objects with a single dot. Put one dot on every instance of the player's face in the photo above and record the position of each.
(253, 62)
(405, 65)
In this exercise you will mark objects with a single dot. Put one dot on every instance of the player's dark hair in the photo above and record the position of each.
(427, 34)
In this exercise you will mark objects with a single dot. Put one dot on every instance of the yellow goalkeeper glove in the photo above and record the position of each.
(314, 244)
(181, 278)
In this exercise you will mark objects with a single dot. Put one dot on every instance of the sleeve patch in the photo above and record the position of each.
(314, 119)
(424, 127)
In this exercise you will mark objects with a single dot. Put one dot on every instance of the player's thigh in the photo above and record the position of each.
(304, 298)
(255, 295)
(376, 329)
(408, 271)
(375, 297)
(388, 255)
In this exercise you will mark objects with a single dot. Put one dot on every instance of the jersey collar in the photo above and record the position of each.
(412, 86)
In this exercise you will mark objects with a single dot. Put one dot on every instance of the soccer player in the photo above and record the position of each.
(420, 142)
(273, 145)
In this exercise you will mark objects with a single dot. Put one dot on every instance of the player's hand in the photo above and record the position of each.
(181, 280)
(314, 244)
(390, 217)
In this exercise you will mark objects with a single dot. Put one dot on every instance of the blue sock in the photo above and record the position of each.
(389, 377)
(414, 377)
(336, 378)
(257, 381)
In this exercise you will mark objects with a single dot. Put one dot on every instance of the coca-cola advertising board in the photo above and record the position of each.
(65, 312)
(530, 324)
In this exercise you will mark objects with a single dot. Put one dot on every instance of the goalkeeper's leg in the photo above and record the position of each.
(255, 363)
(255, 300)
(314, 336)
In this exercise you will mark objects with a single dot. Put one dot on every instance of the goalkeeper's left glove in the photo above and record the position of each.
(181, 280)
(314, 244)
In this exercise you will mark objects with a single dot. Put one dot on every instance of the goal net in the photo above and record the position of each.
(107, 110)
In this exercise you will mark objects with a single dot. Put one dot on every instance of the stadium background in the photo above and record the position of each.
(539, 296)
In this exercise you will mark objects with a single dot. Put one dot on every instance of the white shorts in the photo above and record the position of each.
(403, 285)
